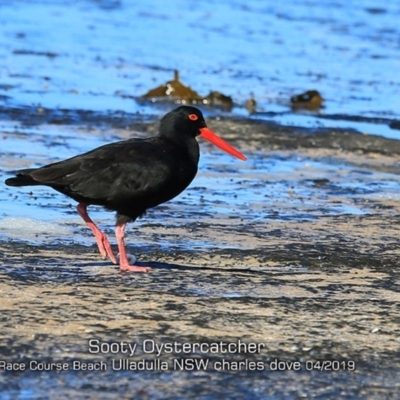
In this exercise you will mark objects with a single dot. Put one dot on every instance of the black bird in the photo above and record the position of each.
(130, 176)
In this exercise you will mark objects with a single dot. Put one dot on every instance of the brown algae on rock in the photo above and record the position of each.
(174, 89)
(309, 100)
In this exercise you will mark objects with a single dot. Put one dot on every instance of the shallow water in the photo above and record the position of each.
(101, 55)
(297, 247)
(267, 187)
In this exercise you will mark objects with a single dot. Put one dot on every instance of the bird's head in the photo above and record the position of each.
(189, 121)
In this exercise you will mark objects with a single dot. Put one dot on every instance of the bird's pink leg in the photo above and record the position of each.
(123, 260)
(101, 238)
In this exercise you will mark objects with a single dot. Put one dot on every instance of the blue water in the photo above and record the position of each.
(89, 54)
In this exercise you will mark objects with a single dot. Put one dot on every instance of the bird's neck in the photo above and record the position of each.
(184, 145)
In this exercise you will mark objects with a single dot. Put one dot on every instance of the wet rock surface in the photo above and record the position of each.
(296, 250)
(294, 253)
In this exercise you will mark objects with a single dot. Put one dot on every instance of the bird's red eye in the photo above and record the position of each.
(193, 117)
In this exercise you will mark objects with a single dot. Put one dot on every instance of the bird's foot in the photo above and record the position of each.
(108, 250)
(126, 259)
(126, 265)
(105, 247)
(101, 239)
(133, 268)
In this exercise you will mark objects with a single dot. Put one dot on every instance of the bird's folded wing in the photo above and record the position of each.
(123, 167)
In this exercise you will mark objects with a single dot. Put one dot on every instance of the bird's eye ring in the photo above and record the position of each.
(193, 117)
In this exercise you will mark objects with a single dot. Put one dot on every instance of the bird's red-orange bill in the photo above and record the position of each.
(209, 135)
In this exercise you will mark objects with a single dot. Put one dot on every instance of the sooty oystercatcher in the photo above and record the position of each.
(130, 176)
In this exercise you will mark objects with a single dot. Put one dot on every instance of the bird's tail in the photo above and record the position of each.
(22, 178)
